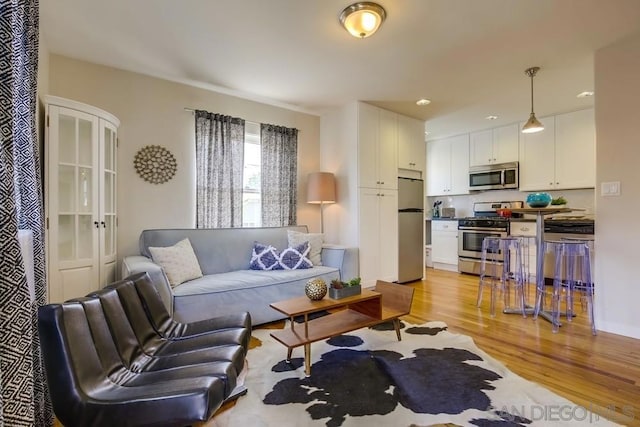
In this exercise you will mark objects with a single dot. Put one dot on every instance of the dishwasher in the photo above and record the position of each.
(560, 228)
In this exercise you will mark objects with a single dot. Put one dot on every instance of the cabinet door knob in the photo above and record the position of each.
(103, 224)
(382, 182)
(96, 224)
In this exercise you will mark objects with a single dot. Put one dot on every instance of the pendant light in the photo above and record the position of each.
(533, 124)
(362, 19)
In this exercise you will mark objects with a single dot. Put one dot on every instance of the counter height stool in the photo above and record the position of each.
(503, 268)
(572, 274)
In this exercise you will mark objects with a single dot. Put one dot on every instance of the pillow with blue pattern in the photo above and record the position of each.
(264, 257)
(296, 257)
(267, 257)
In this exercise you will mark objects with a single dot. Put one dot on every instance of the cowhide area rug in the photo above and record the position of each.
(368, 378)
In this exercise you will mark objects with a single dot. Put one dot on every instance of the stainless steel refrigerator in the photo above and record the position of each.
(410, 229)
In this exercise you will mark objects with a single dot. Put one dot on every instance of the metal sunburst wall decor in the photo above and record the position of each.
(155, 164)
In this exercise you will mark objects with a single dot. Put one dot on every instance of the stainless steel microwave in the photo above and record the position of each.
(501, 176)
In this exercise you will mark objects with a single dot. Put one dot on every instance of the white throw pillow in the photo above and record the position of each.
(315, 244)
(178, 261)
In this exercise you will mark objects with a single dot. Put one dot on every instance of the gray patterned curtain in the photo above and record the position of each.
(24, 400)
(279, 175)
(219, 170)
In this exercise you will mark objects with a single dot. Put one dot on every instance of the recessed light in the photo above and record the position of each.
(585, 94)
(426, 132)
(423, 101)
(491, 117)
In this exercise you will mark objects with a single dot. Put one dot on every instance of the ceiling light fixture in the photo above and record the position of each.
(533, 124)
(362, 19)
(585, 94)
(491, 117)
(422, 102)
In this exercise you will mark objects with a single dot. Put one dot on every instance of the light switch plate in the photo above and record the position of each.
(610, 188)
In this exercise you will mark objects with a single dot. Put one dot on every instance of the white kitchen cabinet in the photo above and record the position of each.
(494, 146)
(378, 230)
(575, 150)
(562, 156)
(444, 244)
(411, 145)
(448, 166)
(377, 147)
(80, 198)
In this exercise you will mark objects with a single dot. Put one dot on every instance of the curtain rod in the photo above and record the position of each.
(192, 110)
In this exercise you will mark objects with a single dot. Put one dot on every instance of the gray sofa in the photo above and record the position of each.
(228, 286)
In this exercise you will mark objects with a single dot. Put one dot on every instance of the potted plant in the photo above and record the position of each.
(339, 289)
(559, 202)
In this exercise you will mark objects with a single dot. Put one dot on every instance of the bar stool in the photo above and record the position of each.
(502, 268)
(572, 274)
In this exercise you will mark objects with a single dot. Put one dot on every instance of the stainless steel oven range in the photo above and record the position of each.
(473, 230)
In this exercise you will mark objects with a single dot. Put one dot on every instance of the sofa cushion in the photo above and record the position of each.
(315, 240)
(247, 279)
(264, 257)
(178, 261)
(295, 258)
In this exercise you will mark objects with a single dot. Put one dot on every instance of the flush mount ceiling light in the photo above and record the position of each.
(533, 124)
(422, 102)
(362, 19)
(492, 117)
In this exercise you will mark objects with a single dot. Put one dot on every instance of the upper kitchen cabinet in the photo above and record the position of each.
(560, 157)
(493, 146)
(377, 147)
(448, 166)
(576, 150)
(411, 145)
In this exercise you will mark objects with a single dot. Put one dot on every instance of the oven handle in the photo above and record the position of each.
(472, 229)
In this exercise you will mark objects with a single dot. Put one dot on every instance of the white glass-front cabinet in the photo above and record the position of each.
(80, 198)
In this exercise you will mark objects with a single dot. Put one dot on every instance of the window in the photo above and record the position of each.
(251, 196)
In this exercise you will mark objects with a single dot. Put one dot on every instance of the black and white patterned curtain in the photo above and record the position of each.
(219, 170)
(24, 400)
(279, 175)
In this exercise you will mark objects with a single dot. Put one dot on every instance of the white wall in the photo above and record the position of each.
(617, 88)
(338, 139)
(151, 111)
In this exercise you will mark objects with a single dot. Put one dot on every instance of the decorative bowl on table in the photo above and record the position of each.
(538, 200)
(315, 289)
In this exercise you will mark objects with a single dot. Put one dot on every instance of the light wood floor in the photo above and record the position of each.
(596, 372)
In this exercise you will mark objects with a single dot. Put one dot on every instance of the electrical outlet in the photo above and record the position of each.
(610, 188)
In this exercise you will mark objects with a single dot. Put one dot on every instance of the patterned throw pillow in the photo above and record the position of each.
(178, 261)
(296, 257)
(315, 244)
(264, 257)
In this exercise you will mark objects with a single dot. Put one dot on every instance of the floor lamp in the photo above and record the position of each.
(321, 189)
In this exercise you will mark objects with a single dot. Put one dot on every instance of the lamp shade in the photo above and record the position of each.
(321, 188)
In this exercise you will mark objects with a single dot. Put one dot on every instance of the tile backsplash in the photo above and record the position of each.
(583, 199)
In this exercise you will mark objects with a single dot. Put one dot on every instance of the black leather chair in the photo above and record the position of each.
(124, 313)
(84, 392)
(169, 328)
(107, 364)
(172, 368)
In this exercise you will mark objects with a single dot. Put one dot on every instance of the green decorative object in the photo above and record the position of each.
(315, 289)
(341, 289)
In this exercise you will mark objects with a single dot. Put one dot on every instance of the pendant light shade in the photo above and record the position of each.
(533, 124)
(362, 19)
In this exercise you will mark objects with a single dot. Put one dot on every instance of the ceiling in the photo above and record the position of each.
(467, 56)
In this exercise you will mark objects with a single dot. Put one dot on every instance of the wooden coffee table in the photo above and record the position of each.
(356, 312)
